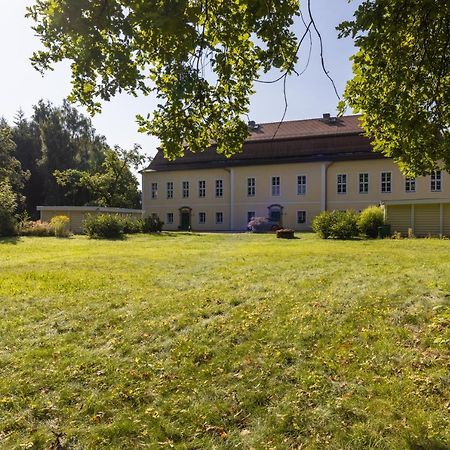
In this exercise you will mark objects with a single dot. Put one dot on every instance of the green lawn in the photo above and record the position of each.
(224, 341)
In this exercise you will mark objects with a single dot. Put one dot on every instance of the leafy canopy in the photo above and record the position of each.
(401, 79)
(201, 56)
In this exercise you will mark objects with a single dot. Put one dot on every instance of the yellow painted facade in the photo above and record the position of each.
(382, 179)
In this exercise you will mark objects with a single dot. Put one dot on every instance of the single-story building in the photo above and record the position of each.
(78, 214)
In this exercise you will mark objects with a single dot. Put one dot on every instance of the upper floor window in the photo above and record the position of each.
(219, 188)
(251, 187)
(410, 185)
(154, 190)
(276, 183)
(436, 181)
(342, 183)
(301, 185)
(169, 189)
(363, 183)
(169, 218)
(202, 217)
(185, 186)
(301, 216)
(219, 217)
(386, 182)
(202, 188)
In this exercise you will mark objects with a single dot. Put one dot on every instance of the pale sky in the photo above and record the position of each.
(309, 96)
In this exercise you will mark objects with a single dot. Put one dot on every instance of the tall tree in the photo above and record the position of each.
(113, 185)
(55, 138)
(10, 168)
(128, 45)
(401, 82)
(402, 79)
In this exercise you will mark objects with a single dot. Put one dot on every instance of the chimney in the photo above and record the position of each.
(326, 117)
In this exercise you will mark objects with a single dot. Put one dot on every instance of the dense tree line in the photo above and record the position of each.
(56, 157)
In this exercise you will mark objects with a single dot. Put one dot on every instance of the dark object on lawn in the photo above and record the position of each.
(285, 233)
(384, 231)
(263, 225)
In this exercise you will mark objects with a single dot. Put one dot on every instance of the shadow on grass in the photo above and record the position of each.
(13, 240)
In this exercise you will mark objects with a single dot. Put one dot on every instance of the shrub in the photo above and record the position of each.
(336, 224)
(285, 233)
(322, 224)
(262, 225)
(152, 224)
(60, 226)
(8, 205)
(35, 228)
(104, 226)
(369, 220)
(132, 225)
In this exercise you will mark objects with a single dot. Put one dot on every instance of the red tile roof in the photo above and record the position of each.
(294, 141)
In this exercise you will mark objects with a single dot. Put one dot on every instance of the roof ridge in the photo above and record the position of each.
(304, 120)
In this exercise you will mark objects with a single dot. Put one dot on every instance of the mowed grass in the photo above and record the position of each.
(224, 341)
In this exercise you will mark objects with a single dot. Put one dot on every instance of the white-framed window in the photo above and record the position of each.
(169, 189)
(219, 217)
(251, 187)
(386, 182)
(363, 183)
(276, 185)
(169, 218)
(410, 184)
(341, 183)
(154, 190)
(436, 181)
(301, 217)
(202, 188)
(201, 217)
(185, 190)
(219, 188)
(301, 184)
(250, 215)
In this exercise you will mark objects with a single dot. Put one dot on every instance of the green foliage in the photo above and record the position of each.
(152, 224)
(35, 228)
(401, 80)
(131, 225)
(104, 226)
(224, 341)
(135, 46)
(112, 185)
(336, 224)
(8, 206)
(369, 220)
(60, 226)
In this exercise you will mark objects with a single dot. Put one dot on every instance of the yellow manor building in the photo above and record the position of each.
(290, 173)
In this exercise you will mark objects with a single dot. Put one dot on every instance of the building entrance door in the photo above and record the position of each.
(185, 219)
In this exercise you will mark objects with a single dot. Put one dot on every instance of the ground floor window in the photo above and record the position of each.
(219, 217)
(301, 217)
(169, 218)
(250, 216)
(201, 217)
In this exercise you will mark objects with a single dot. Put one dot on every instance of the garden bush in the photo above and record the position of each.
(322, 223)
(60, 226)
(336, 224)
(104, 226)
(35, 228)
(262, 225)
(369, 220)
(152, 224)
(132, 225)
